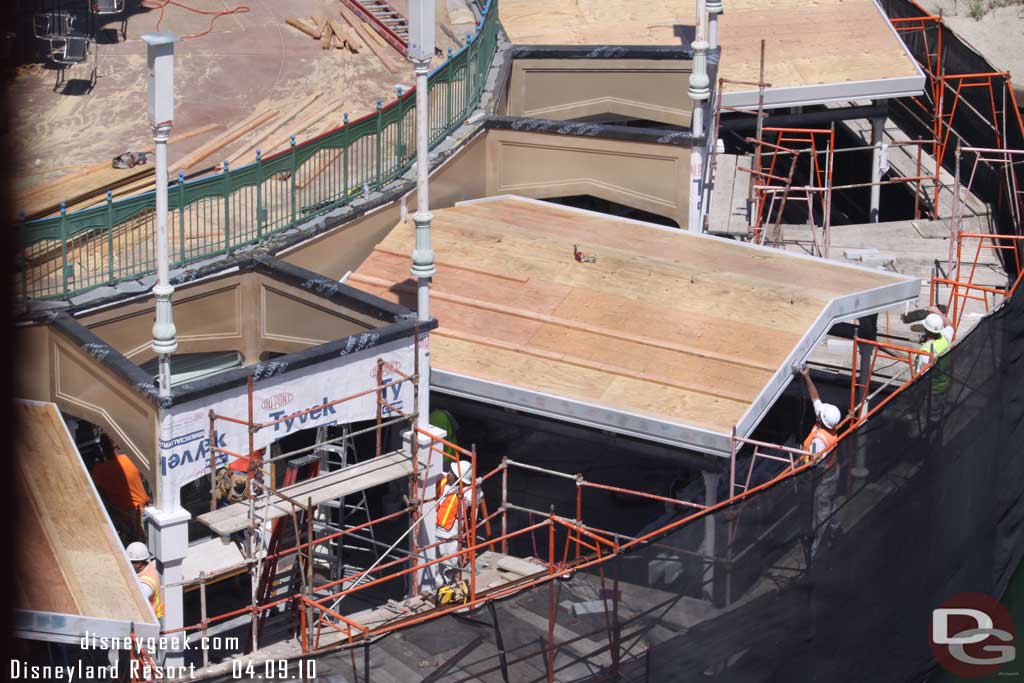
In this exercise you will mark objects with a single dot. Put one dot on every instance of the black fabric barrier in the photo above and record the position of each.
(827, 575)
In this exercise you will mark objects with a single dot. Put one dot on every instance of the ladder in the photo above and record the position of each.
(337, 515)
(384, 19)
(279, 577)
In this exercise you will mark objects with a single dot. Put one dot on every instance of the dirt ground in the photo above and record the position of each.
(247, 63)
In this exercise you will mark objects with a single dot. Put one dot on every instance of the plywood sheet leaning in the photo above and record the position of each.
(69, 559)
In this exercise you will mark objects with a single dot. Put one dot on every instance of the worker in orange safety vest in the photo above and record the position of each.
(822, 436)
(453, 511)
(149, 579)
(123, 489)
(820, 443)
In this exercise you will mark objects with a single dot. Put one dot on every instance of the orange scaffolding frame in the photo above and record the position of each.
(945, 92)
(961, 285)
(772, 190)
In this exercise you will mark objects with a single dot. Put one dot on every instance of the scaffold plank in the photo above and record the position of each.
(330, 486)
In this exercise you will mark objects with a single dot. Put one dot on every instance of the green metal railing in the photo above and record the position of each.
(102, 245)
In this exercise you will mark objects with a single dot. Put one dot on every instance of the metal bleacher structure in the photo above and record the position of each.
(74, 252)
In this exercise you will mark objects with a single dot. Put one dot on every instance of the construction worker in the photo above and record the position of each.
(938, 338)
(442, 419)
(827, 416)
(149, 579)
(232, 482)
(123, 489)
(821, 441)
(454, 506)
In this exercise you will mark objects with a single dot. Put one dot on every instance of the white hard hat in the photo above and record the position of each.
(933, 323)
(138, 552)
(829, 415)
(463, 470)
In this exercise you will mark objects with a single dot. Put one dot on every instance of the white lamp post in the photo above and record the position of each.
(160, 59)
(167, 520)
(421, 51)
(714, 8)
(699, 91)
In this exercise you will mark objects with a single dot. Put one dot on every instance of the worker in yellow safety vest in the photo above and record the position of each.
(454, 507)
(822, 436)
(938, 338)
(149, 579)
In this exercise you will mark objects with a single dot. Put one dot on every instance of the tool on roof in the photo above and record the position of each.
(581, 257)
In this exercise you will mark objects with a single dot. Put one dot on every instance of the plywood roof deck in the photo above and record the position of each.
(70, 561)
(682, 329)
(808, 44)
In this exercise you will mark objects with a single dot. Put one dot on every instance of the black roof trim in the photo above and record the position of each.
(654, 52)
(592, 130)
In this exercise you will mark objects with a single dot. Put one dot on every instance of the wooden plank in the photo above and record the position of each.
(321, 25)
(313, 120)
(351, 35)
(325, 36)
(90, 182)
(281, 123)
(214, 146)
(345, 35)
(327, 158)
(302, 26)
(360, 28)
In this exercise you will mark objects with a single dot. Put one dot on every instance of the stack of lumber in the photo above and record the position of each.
(352, 33)
(378, 46)
(328, 32)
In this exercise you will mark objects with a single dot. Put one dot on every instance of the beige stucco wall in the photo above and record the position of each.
(566, 89)
(246, 312)
(84, 387)
(642, 175)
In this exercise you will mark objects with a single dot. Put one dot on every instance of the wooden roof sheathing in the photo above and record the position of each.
(814, 51)
(673, 327)
(69, 560)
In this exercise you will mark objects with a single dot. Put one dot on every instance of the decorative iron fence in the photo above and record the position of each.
(102, 245)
